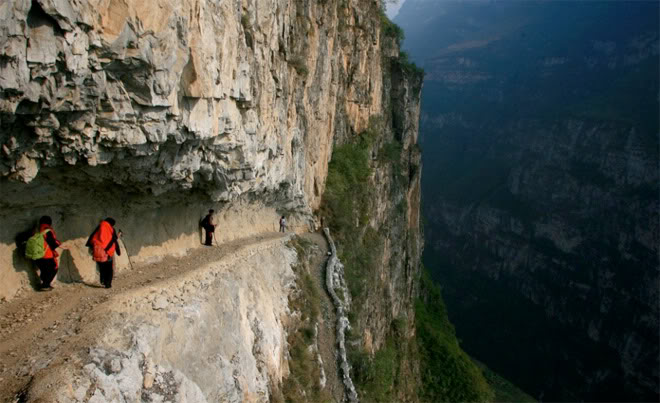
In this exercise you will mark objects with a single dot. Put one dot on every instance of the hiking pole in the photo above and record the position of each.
(201, 229)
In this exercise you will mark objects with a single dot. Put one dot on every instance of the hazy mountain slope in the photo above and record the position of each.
(540, 136)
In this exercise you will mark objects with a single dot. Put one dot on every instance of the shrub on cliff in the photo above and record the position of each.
(347, 206)
(408, 65)
(448, 373)
(375, 376)
(348, 172)
(391, 29)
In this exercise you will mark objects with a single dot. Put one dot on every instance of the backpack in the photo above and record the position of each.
(35, 248)
(89, 239)
(99, 254)
(206, 224)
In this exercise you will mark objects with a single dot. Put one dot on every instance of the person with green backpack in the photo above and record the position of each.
(40, 248)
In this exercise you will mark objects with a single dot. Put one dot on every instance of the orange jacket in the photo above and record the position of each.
(50, 253)
(104, 236)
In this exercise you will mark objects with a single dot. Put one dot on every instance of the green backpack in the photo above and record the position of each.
(34, 248)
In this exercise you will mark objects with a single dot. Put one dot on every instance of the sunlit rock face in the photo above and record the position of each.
(124, 108)
(540, 135)
(228, 97)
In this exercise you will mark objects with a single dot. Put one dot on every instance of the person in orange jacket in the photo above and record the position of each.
(106, 237)
(47, 265)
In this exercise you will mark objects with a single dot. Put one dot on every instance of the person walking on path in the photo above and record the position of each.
(208, 223)
(282, 224)
(47, 263)
(104, 245)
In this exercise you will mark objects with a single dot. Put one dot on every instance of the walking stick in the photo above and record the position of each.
(128, 256)
(201, 230)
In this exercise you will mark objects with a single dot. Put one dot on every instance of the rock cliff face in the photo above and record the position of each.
(153, 112)
(228, 97)
(540, 130)
(392, 234)
(142, 111)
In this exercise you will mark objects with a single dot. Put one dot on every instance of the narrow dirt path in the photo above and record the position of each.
(40, 327)
(326, 335)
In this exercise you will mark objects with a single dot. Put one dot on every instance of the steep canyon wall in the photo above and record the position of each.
(151, 113)
(540, 132)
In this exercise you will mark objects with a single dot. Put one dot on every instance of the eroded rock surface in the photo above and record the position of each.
(231, 97)
(125, 107)
(174, 341)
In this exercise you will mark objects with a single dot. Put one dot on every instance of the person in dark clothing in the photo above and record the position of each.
(48, 264)
(208, 223)
(104, 241)
(283, 224)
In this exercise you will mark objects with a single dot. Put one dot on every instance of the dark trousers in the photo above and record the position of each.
(47, 271)
(209, 237)
(106, 271)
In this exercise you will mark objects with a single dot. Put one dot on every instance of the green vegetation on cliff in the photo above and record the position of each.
(420, 360)
(375, 376)
(504, 390)
(348, 202)
(302, 384)
(448, 374)
(346, 209)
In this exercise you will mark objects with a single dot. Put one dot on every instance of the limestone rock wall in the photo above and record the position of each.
(232, 97)
(151, 112)
(383, 275)
(394, 212)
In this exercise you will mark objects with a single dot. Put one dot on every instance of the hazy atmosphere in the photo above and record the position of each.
(539, 127)
(393, 7)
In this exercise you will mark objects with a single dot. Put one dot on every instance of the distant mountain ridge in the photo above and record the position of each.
(540, 136)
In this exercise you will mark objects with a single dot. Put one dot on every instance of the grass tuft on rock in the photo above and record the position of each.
(448, 374)
(303, 382)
